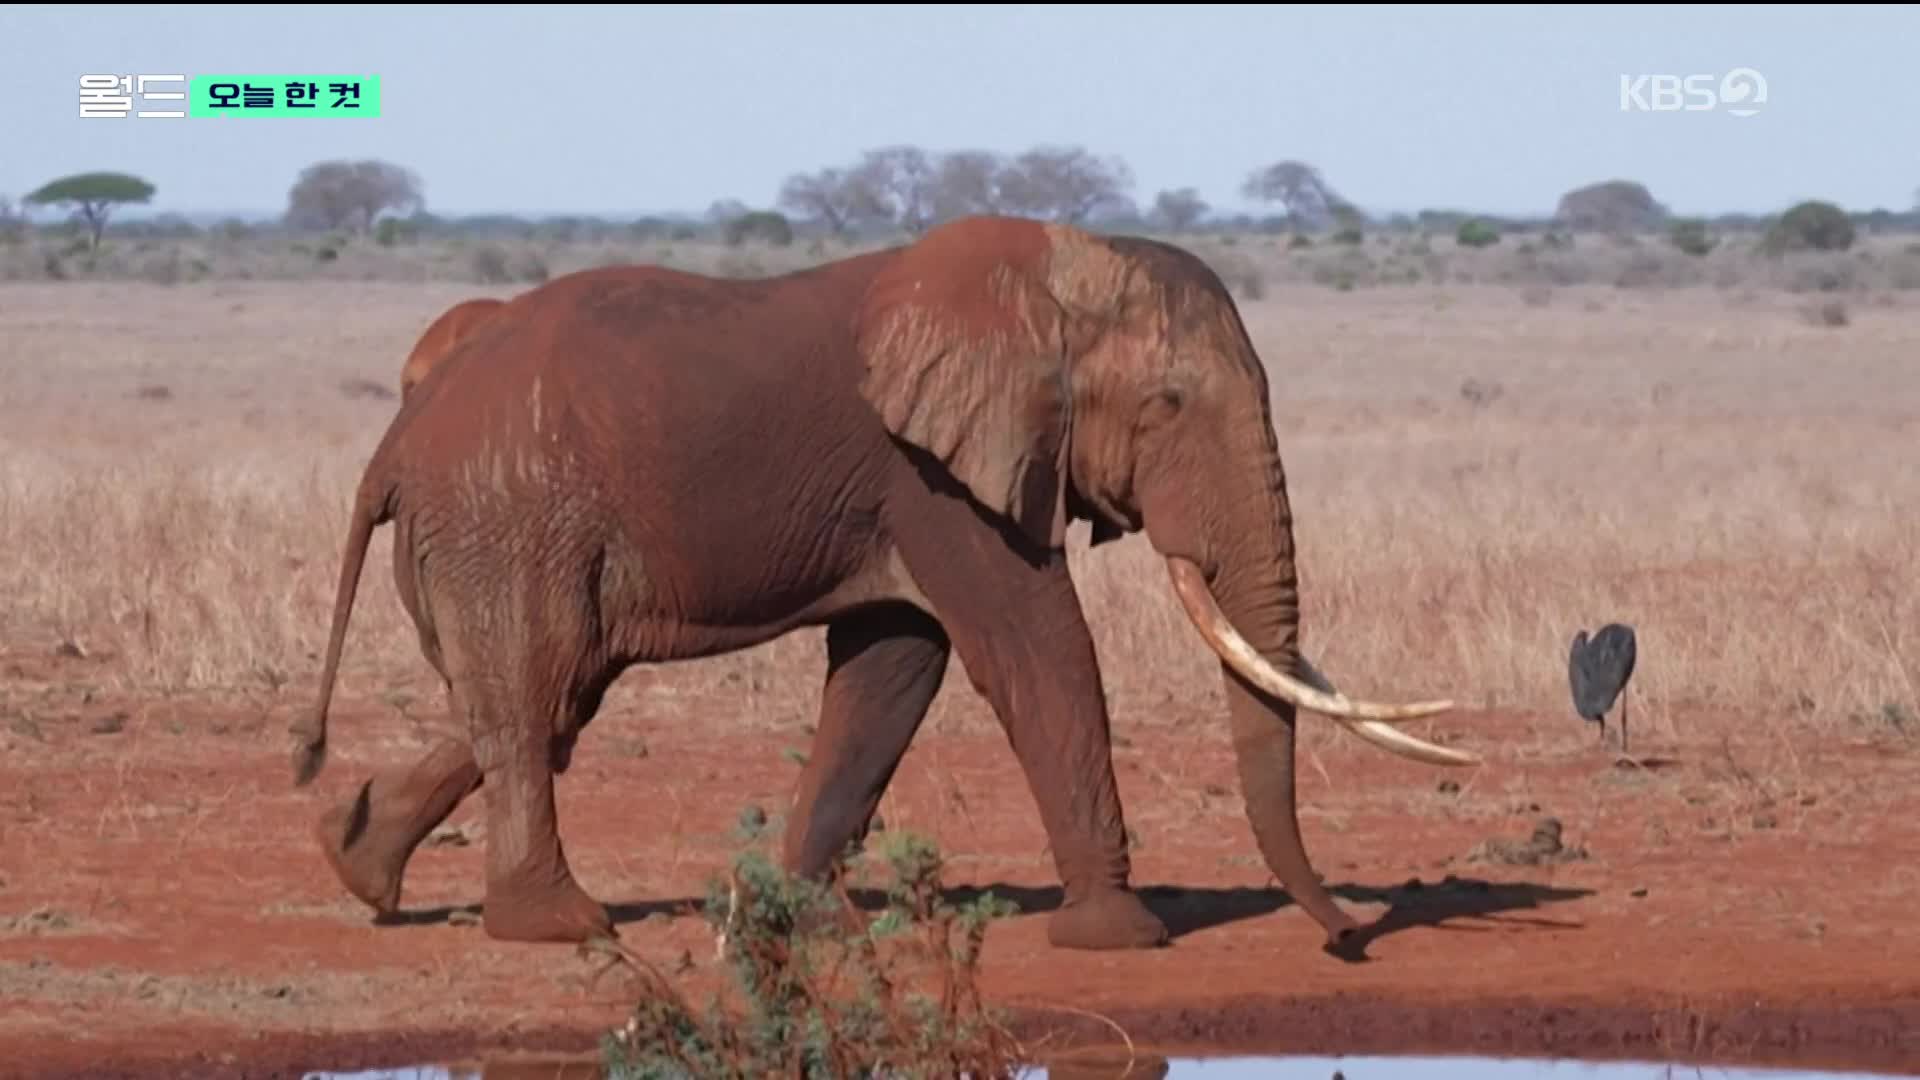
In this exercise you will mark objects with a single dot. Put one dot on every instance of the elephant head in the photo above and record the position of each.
(448, 330)
(1059, 375)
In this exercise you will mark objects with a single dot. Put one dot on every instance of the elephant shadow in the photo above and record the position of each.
(1187, 911)
(1444, 905)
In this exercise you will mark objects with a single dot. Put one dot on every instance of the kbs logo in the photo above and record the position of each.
(1741, 92)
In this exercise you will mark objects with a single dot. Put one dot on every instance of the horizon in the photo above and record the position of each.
(1529, 102)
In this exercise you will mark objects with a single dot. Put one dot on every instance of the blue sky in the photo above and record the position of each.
(570, 109)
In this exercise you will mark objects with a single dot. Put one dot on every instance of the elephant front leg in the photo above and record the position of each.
(368, 839)
(884, 667)
(531, 892)
(1021, 636)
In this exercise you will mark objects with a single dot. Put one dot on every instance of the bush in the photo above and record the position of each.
(1476, 233)
(1810, 226)
(766, 226)
(1691, 237)
(824, 994)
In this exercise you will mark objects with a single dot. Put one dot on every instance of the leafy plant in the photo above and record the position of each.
(821, 993)
(1690, 235)
(1476, 233)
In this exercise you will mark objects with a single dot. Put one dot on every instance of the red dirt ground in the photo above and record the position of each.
(163, 910)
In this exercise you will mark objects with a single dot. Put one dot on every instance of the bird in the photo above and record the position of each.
(1597, 672)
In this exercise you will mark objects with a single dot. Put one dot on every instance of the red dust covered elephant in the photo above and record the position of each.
(453, 325)
(636, 465)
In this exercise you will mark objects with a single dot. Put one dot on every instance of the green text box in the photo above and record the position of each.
(284, 95)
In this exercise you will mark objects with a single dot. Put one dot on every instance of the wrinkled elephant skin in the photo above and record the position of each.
(638, 465)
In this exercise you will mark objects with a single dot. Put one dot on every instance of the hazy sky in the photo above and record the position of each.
(566, 109)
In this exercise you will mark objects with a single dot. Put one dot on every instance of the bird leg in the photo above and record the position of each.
(1623, 723)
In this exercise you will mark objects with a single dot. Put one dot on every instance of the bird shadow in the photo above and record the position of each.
(1446, 905)
(1649, 763)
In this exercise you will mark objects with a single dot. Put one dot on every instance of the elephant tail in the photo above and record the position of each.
(373, 507)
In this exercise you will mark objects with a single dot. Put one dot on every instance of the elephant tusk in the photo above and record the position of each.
(1363, 718)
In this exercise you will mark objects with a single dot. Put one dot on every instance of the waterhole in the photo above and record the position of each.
(1222, 1068)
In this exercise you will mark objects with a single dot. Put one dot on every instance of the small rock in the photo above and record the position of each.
(110, 725)
(753, 817)
(278, 992)
(1639, 893)
(1765, 821)
(1449, 787)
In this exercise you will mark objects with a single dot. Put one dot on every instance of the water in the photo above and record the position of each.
(1271, 1068)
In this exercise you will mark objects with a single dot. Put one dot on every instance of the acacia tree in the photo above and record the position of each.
(1178, 210)
(93, 196)
(1064, 183)
(826, 195)
(351, 194)
(1299, 188)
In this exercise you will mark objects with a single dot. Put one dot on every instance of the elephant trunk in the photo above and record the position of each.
(1248, 614)
(1262, 725)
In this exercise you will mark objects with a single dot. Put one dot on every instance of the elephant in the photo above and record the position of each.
(441, 336)
(645, 465)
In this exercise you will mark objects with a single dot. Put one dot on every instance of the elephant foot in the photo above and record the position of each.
(371, 868)
(1106, 919)
(560, 913)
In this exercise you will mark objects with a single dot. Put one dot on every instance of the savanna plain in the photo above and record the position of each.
(1478, 469)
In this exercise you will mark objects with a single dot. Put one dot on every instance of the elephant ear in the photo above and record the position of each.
(966, 357)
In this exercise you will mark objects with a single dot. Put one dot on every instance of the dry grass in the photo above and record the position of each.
(1476, 470)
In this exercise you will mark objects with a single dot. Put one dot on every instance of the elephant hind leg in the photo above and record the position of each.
(369, 839)
(531, 892)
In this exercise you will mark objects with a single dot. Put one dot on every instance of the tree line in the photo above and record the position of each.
(907, 189)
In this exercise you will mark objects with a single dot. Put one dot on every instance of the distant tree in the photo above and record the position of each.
(1178, 210)
(1813, 225)
(721, 211)
(1611, 206)
(966, 182)
(1063, 183)
(895, 185)
(1299, 188)
(826, 196)
(351, 195)
(93, 196)
(13, 226)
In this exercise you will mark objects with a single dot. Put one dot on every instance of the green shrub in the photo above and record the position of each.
(823, 993)
(766, 226)
(1690, 235)
(1810, 226)
(1476, 233)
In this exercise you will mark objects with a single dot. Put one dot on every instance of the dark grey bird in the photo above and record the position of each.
(1597, 671)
